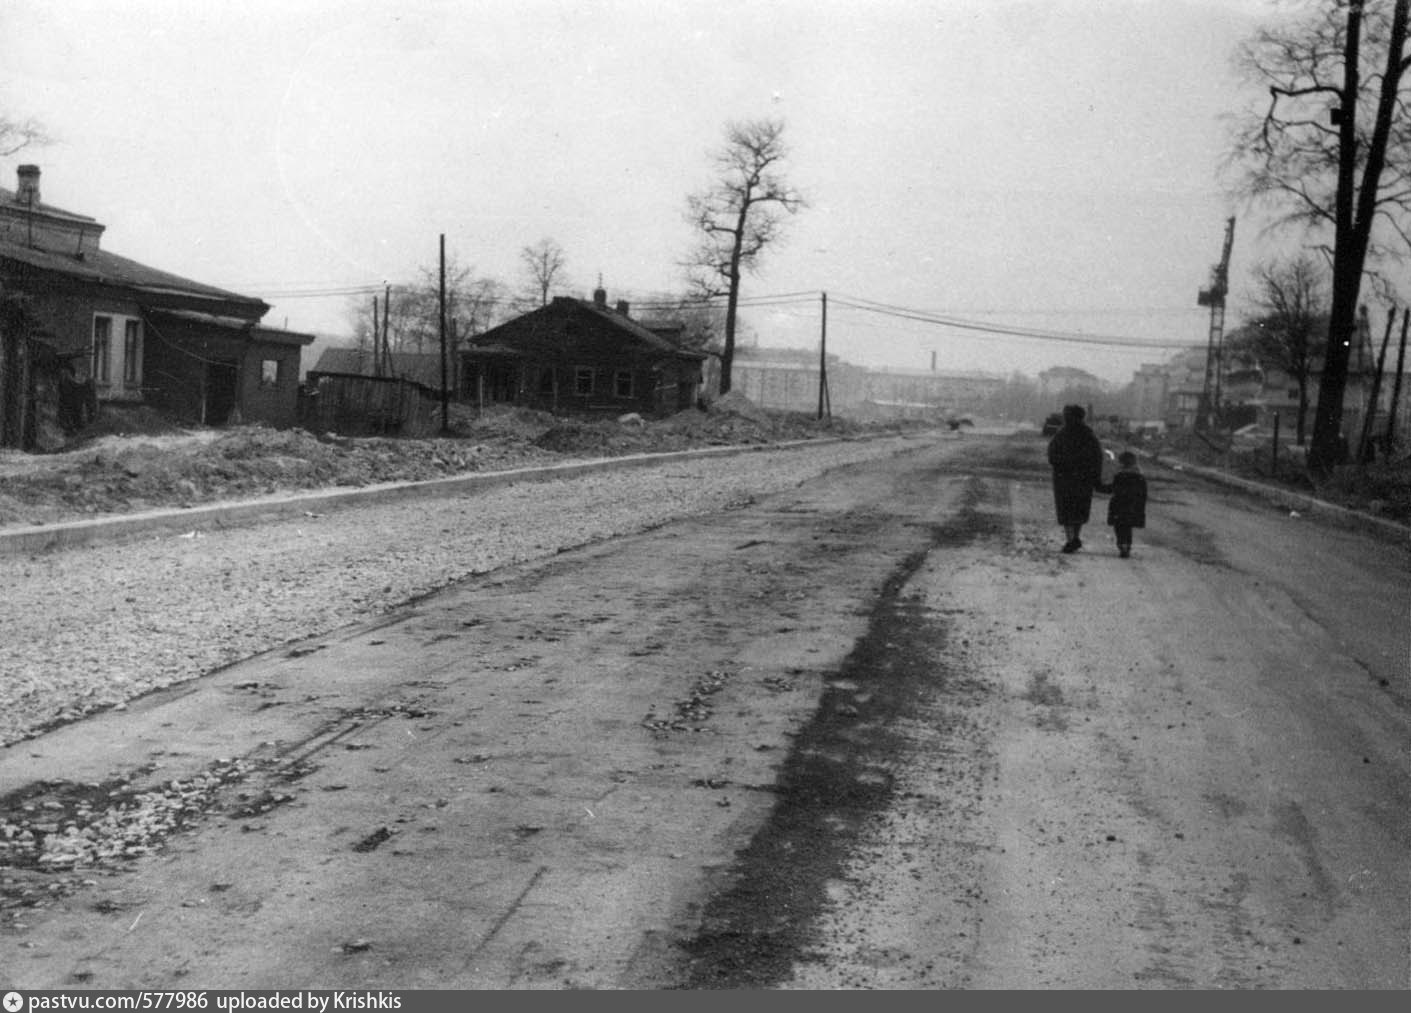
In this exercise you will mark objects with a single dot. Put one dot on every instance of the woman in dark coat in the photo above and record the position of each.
(1075, 455)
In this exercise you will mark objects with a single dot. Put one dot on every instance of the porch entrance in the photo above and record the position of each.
(218, 396)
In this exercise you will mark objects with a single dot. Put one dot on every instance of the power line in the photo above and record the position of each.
(960, 323)
(793, 300)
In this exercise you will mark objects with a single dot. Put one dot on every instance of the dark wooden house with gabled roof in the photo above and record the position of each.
(576, 356)
(129, 332)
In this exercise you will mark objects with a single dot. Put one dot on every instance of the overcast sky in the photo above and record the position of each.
(1049, 163)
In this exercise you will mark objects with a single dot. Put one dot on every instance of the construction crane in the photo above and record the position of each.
(1214, 297)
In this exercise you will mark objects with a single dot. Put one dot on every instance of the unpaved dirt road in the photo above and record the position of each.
(872, 733)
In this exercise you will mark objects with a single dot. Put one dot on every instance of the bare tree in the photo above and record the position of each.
(701, 324)
(1291, 299)
(413, 313)
(544, 263)
(1333, 148)
(739, 216)
(16, 135)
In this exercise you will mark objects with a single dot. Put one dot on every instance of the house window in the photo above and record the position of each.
(269, 373)
(583, 380)
(117, 366)
(103, 349)
(132, 353)
(622, 383)
(546, 381)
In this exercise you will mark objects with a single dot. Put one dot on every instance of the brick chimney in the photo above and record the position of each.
(27, 190)
(622, 307)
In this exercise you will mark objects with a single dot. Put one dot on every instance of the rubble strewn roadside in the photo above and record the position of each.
(92, 627)
(136, 461)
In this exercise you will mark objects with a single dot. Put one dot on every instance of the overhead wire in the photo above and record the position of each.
(798, 299)
(1007, 330)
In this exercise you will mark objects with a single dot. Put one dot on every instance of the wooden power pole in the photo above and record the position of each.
(823, 406)
(445, 394)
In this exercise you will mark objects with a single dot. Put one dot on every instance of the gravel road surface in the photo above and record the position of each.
(91, 627)
(867, 731)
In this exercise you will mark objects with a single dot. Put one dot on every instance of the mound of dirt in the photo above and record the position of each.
(115, 419)
(134, 459)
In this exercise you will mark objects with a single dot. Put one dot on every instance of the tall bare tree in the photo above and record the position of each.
(738, 216)
(17, 134)
(544, 263)
(1333, 148)
(1291, 300)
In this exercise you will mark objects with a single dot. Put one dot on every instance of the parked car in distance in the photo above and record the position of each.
(1052, 424)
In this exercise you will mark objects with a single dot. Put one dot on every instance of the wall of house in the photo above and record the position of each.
(67, 313)
(590, 385)
(269, 384)
(210, 376)
(194, 373)
(570, 362)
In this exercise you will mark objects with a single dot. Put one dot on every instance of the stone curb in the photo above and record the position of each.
(68, 534)
(1291, 500)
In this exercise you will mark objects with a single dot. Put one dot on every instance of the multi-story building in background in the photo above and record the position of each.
(788, 378)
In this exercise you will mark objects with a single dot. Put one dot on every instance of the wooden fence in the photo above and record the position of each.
(354, 405)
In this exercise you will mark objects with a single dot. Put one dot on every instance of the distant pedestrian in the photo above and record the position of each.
(1127, 507)
(1075, 455)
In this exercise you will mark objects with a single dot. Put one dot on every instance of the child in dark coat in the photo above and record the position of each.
(1127, 507)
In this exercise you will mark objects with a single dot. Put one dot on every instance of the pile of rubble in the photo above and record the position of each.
(152, 465)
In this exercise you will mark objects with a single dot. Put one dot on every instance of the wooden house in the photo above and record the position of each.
(136, 334)
(576, 356)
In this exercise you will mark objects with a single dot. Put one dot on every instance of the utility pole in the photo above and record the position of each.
(823, 362)
(1214, 297)
(1390, 441)
(376, 345)
(386, 332)
(1369, 413)
(445, 394)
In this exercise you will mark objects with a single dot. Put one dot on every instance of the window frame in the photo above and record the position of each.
(102, 349)
(131, 352)
(618, 377)
(584, 380)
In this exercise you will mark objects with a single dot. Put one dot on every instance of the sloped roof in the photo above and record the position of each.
(419, 367)
(491, 341)
(259, 332)
(104, 268)
(650, 337)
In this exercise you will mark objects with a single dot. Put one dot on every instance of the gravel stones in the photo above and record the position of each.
(93, 626)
